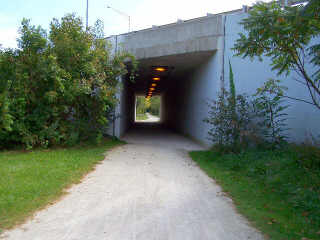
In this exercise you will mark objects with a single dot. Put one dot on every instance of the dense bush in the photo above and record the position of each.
(57, 87)
(229, 127)
(240, 121)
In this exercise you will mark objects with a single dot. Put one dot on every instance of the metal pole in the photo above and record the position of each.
(87, 15)
(129, 23)
(123, 14)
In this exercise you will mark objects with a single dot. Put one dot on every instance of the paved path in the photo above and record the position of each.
(148, 189)
(150, 119)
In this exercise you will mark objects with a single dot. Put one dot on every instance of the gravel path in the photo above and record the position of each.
(148, 189)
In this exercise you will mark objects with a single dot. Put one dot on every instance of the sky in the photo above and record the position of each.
(143, 13)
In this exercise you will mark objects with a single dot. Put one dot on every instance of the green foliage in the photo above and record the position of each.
(141, 116)
(284, 35)
(141, 105)
(230, 129)
(57, 88)
(273, 188)
(311, 12)
(239, 121)
(230, 117)
(232, 88)
(270, 108)
(308, 156)
(154, 107)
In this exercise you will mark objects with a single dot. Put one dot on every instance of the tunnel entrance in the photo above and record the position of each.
(183, 84)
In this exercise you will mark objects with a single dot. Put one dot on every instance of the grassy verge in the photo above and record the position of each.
(272, 189)
(141, 116)
(31, 180)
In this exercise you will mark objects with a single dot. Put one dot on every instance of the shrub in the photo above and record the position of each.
(57, 88)
(269, 107)
(239, 121)
(230, 117)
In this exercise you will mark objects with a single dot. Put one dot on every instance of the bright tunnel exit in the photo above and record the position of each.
(148, 109)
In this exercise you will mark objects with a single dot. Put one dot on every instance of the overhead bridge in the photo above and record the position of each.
(190, 52)
(196, 55)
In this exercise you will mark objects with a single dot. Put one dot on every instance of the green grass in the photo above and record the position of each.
(272, 189)
(31, 180)
(141, 116)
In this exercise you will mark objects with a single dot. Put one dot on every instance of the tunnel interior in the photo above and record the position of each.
(185, 86)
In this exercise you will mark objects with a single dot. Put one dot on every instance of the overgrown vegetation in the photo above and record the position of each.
(275, 184)
(269, 106)
(241, 121)
(286, 35)
(30, 180)
(58, 87)
(277, 190)
(154, 106)
(141, 105)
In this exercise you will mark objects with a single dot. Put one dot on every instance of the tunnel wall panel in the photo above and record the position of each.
(187, 103)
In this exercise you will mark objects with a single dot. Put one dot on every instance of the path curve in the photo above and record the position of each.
(148, 189)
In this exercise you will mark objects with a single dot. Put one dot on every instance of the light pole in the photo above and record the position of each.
(123, 14)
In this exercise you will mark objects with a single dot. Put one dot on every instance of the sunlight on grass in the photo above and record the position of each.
(270, 188)
(31, 180)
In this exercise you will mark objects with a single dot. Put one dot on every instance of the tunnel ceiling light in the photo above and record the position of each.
(156, 79)
(151, 89)
(153, 84)
(160, 69)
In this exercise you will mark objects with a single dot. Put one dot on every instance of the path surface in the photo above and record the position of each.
(148, 189)
(150, 119)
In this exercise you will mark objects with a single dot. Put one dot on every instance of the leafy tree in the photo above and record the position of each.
(270, 109)
(141, 105)
(154, 107)
(58, 88)
(284, 34)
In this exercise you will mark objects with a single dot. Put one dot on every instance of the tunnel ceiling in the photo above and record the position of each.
(178, 67)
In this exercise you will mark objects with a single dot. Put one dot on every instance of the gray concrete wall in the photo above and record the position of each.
(125, 108)
(178, 38)
(303, 118)
(186, 104)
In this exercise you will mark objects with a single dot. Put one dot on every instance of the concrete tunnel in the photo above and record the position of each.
(184, 88)
(197, 53)
(191, 52)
